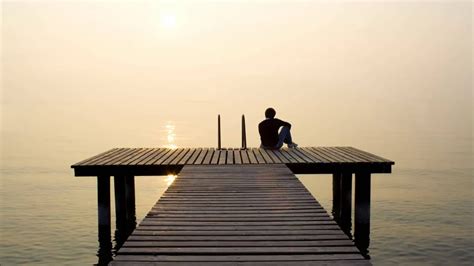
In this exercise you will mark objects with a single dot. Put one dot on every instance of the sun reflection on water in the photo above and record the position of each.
(170, 136)
(170, 179)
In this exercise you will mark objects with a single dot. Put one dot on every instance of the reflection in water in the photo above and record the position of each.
(106, 250)
(170, 136)
(105, 246)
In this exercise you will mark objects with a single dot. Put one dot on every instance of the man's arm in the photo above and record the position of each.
(283, 123)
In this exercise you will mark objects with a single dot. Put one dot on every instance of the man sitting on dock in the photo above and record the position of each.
(269, 135)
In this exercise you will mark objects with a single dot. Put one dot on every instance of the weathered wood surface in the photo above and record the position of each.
(156, 161)
(255, 214)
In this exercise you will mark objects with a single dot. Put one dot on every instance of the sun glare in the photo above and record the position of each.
(167, 20)
(170, 179)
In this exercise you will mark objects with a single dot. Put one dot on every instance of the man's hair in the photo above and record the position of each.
(270, 113)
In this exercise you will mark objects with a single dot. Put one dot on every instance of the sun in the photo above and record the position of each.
(168, 20)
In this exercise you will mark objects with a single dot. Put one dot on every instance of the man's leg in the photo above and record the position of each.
(284, 137)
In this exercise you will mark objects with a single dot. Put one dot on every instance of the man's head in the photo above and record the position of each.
(270, 113)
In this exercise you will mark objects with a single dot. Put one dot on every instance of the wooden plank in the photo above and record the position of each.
(238, 250)
(214, 228)
(340, 156)
(239, 218)
(154, 155)
(287, 156)
(147, 152)
(354, 156)
(322, 153)
(258, 155)
(241, 258)
(303, 155)
(215, 157)
(194, 156)
(103, 158)
(165, 153)
(230, 156)
(280, 156)
(202, 156)
(171, 157)
(114, 159)
(265, 156)
(223, 156)
(237, 156)
(369, 156)
(251, 156)
(96, 157)
(180, 156)
(313, 243)
(301, 158)
(124, 159)
(218, 223)
(315, 157)
(272, 155)
(187, 157)
(108, 157)
(136, 155)
(303, 237)
(236, 233)
(245, 157)
(207, 159)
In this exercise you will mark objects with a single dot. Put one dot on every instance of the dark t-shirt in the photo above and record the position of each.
(268, 130)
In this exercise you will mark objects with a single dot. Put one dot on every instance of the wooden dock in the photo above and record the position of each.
(238, 206)
(248, 214)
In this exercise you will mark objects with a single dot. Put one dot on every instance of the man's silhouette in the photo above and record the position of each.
(269, 135)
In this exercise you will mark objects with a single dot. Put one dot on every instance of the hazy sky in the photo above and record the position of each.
(344, 73)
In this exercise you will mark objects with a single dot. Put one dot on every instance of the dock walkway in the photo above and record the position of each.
(228, 214)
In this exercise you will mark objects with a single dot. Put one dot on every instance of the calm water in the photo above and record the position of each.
(421, 215)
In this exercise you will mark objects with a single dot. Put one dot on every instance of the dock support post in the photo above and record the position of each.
(103, 202)
(120, 203)
(124, 208)
(362, 211)
(130, 201)
(336, 196)
(346, 203)
(103, 208)
(120, 211)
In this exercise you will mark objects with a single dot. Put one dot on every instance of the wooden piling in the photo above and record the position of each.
(130, 201)
(120, 201)
(103, 202)
(336, 195)
(362, 210)
(346, 202)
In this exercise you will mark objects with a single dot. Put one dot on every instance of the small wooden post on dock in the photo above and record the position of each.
(219, 132)
(244, 134)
